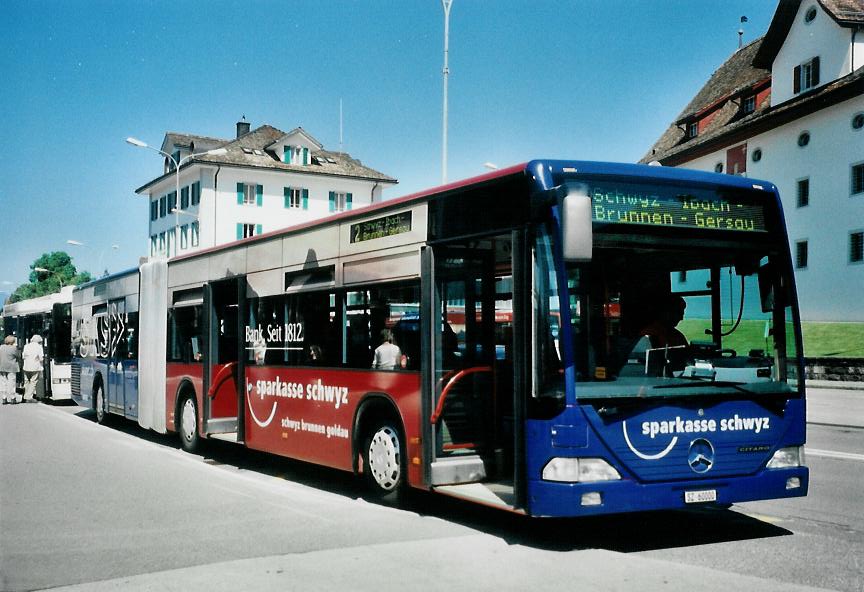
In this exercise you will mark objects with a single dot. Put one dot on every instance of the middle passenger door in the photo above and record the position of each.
(224, 357)
(475, 417)
(116, 362)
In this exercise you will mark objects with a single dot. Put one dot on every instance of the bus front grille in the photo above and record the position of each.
(76, 379)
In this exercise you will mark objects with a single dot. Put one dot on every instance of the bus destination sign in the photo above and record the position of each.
(651, 208)
(381, 227)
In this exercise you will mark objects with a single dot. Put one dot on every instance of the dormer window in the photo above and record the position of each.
(749, 104)
(296, 155)
(806, 76)
(693, 129)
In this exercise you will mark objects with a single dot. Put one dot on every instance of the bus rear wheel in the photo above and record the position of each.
(384, 467)
(190, 440)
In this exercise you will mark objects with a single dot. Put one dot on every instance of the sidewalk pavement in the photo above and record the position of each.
(473, 562)
(836, 384)
(835, 403)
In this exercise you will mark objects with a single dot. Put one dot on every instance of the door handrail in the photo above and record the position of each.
(222, 375)
(439, 409)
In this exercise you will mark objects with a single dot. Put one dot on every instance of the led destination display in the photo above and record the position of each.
(630, 205)
(381, 227)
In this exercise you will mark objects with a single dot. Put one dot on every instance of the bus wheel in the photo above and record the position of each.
(384, 462)
(189, 438)
(99, 404)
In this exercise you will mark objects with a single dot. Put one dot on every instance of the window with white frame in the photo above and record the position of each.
(339, 201)
(161, 242)
(249, 194)
(749, 105)
(246, 230)
(184, 236)
(294, 198)
(154, 245)
(195, 234)
(692, 129)
(806, 75)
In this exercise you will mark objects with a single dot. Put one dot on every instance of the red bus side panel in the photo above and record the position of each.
(308, 413)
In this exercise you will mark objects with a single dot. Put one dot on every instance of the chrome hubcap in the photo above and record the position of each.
(100, 404)
(188, 421)
(385, 458)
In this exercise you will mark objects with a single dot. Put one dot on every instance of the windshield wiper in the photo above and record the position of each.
(706, 380)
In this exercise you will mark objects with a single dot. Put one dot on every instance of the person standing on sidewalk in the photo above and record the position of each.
(33, 355)
(10, 362)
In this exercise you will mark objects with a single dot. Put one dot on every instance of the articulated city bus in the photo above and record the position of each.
(49, 316)
(507, 340)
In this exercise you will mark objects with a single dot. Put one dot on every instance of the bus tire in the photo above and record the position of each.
(187, 427)
(100, 405)
(384, 462)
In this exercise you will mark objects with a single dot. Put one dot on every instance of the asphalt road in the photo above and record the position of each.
(108, 508)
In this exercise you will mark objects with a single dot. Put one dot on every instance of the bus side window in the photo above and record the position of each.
(358, 344)
(184, 334)
(394, 308)
(127, 344)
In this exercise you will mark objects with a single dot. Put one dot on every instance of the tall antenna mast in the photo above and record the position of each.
(446, 4)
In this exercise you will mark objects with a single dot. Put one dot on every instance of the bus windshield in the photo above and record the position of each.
(653, 320)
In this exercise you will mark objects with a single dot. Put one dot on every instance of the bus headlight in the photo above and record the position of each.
(579, 470)
(786, 458)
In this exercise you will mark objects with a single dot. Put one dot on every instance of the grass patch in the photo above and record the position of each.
(833, 340)
(821, 340)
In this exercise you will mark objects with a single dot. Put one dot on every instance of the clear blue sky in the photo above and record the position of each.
(586, 79)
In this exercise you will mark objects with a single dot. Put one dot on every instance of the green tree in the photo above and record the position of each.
(59, 272)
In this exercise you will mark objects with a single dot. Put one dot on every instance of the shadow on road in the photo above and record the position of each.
(624, 533)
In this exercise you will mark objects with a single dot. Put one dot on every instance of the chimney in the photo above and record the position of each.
(242, 127)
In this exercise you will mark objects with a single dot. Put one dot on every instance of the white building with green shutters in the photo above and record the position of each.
(264, 180)
(789, 108)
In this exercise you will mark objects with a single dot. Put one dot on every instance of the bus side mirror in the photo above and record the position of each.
(766, 287)
(576, 228)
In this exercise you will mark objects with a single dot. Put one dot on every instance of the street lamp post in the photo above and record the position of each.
(446, 4)
(177, 165)
(78, 243)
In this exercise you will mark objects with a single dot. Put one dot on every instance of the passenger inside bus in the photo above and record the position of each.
(315, 356)
(388, 356)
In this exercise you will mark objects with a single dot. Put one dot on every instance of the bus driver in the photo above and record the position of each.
(661, 331)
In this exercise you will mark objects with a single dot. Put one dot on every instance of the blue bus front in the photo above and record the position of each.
(667, 353)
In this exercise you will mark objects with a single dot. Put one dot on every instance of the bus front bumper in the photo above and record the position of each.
(552, 499)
